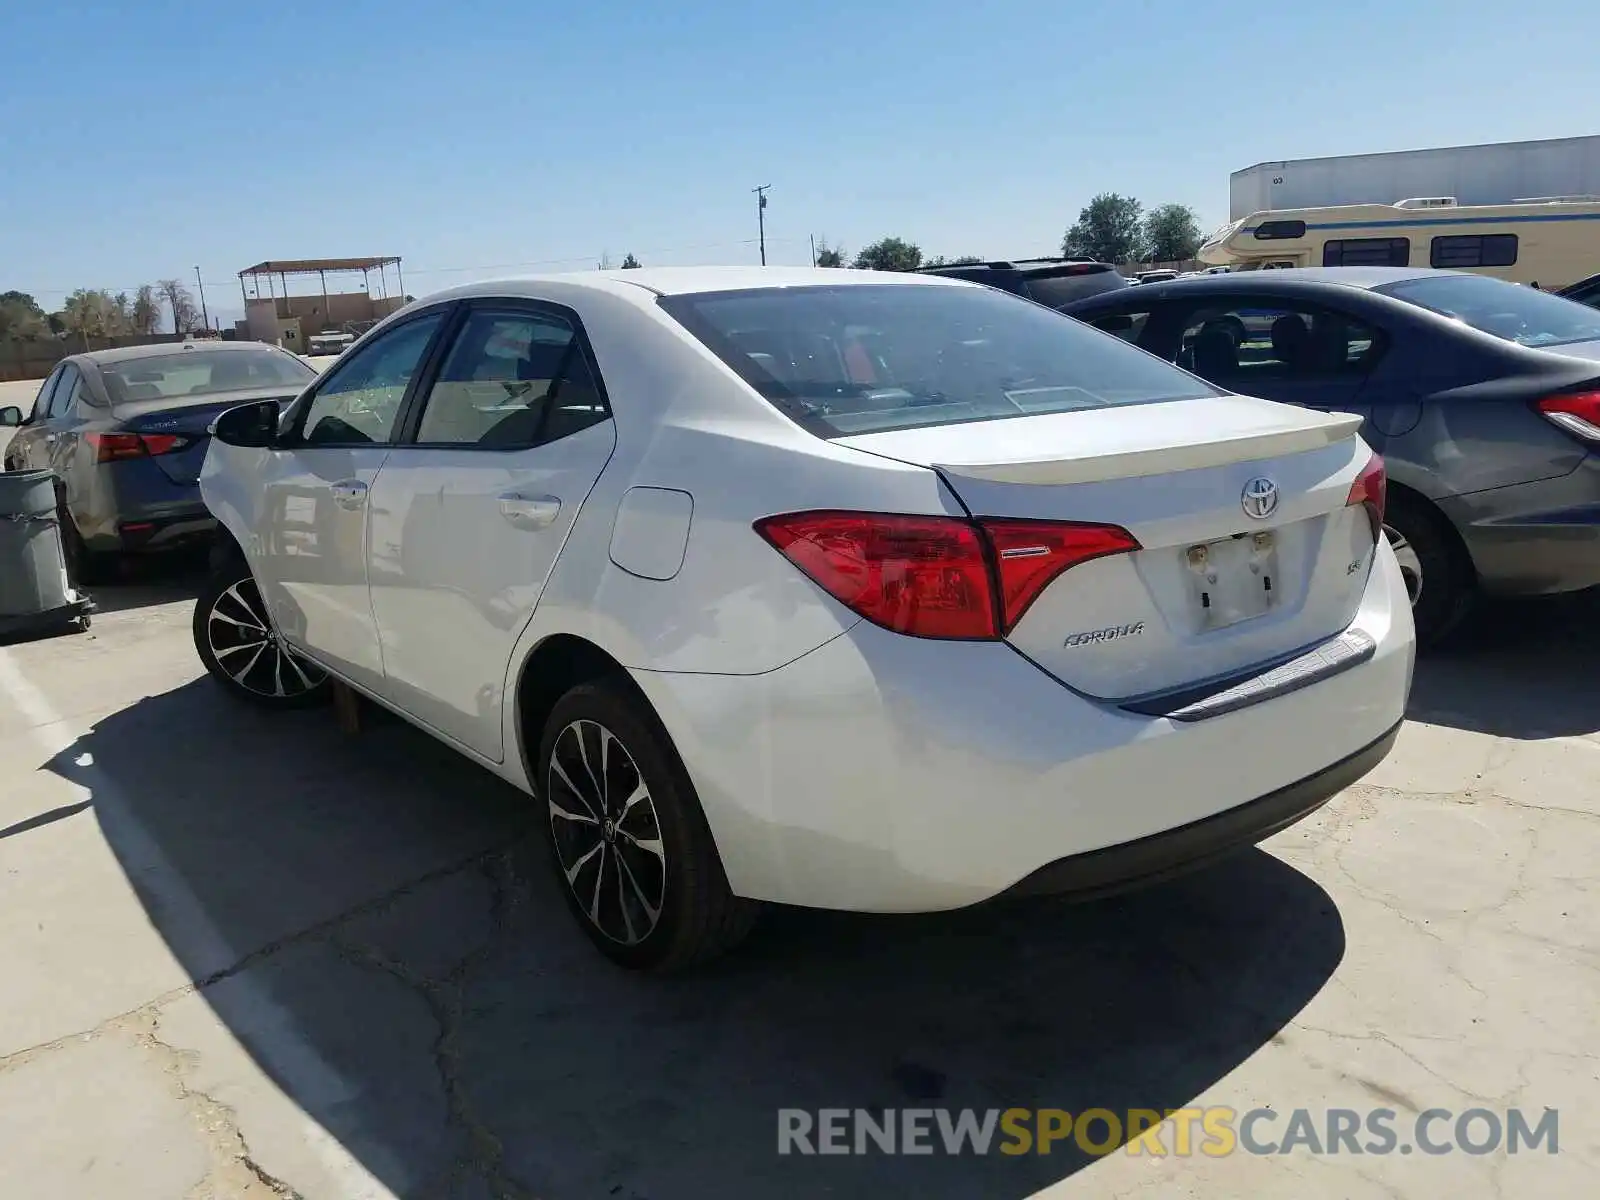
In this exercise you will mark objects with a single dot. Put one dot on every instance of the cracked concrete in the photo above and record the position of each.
(246, 958)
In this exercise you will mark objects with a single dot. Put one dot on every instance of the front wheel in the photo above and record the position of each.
(628, 840)
(244, 653)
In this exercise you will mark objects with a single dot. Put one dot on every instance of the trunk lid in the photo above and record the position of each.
(1214, 588)
(188, 419)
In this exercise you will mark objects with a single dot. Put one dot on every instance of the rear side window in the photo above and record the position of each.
(1367, 252)
(1244, 345)
(1474, 250)
(853, 359)
(67, 391)
(1276, 231)
(1523, 315)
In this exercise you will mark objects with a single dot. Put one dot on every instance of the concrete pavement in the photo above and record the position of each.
(246, 956)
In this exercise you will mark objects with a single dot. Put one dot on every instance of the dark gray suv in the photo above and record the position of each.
(1052, 282)
(1482, 396)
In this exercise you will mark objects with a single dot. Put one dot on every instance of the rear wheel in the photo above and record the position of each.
(243, 652)
(1439, 578)
(628, 840)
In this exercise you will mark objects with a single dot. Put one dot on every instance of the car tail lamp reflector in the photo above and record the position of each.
(936, 577)
(114, 447)
(1370, 490)
(1576, 412)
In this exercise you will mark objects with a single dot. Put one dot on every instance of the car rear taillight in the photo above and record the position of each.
(936, 577)
(1576, 412)
(1369, 490)
(114, 447)
(1030, 554)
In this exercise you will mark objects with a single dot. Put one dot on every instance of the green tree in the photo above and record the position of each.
(20, 315)
(146, 310)
(964, 260)
(92, 313)
(630, 263)
(180, 303)
(1172, 232)
(890, 254)
(830, 256)
(1109, 229)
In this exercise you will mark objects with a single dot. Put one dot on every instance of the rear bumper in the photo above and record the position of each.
(890, 774)
(1164, 855)
(134, 508)
(1534, 538)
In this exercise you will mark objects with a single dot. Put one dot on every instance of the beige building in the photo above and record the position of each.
(273, 314)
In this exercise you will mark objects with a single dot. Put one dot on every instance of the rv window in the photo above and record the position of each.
(1367, 252)
(1272, 231)
(1474, 250)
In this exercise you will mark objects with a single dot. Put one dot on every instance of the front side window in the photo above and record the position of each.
(1523, 315)
(360, 400)
(1243, 345)
(511, 380)
(200, 372)
(41, 402)
(1128, 326)
(66, 394)
(870, 358)
(1466, 251)
(1367, 252)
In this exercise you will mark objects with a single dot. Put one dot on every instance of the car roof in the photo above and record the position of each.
(645, 283)
(118, 354)
(1306, 280)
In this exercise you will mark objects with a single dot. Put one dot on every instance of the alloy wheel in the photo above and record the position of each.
(606, 832)
(1410, 564)
(248, 649)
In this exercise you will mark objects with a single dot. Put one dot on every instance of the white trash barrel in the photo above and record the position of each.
(35, 591)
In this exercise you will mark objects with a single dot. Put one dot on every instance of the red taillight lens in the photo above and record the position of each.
(1029, 554)
(926, 576)
(935, 577)
(1369, 490)
(113, 447)
(1576, 412)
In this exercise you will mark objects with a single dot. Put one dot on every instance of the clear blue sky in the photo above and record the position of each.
(478, 137)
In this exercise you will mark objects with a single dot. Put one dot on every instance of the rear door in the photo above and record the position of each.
(470, 512)
(309, 554)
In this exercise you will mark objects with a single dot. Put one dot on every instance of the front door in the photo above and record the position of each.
(310, 556)
(470, 512)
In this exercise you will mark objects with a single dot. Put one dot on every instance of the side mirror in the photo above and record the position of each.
(250, 425)
(1119, 323)
(10, 416)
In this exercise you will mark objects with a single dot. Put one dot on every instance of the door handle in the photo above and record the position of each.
(529, 512)
(352, 493)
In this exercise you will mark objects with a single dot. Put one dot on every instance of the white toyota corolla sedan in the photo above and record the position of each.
(877, 592)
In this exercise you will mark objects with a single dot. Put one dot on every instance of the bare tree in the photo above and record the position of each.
(146, 310)
(180, 304)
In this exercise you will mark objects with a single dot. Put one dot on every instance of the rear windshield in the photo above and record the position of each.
(1519, 314)
(1074, 284)
(201, 372)
(871, 358)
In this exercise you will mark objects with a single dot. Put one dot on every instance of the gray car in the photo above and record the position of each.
(126, 431)
(1482, 396)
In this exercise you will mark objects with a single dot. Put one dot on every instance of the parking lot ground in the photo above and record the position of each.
(248, 956)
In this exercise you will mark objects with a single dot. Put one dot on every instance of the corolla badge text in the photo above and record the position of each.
(1110, 634)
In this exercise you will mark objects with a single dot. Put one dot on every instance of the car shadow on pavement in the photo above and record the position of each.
(141, 584)
(1523, 669)
(374, 921)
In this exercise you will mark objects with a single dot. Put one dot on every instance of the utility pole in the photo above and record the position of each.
(813, 249)
(761, 218)
(201, 284)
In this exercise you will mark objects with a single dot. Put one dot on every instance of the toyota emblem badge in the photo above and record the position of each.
(1260, 498)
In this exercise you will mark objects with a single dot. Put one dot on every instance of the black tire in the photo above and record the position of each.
(85, 567)
(1448, 585)
(230, 624)
(654, 852)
